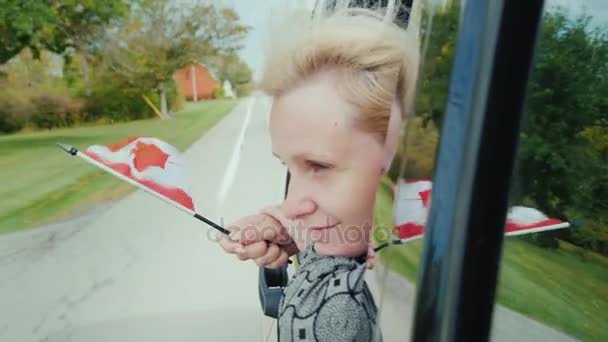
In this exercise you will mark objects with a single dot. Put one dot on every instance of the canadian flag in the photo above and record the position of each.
(150, 162)
(413, 202)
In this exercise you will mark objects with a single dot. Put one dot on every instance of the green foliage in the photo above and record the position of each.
(123, 102)
(56, 111)
(563, 156)
(177, 100)
(9, 123)
(563, 164)
(159, 38)
(113, 55)
(73, 74)
(39, 110)
(117, 102)
(415, 157)
(52, 25)
(34, 96)
(218, 93)
(15, 110)
(597, 136)
(230, 67)
(437, 64)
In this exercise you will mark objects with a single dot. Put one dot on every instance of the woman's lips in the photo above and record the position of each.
(320, 229)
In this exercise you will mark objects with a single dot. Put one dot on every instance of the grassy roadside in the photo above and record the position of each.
(556, 287)
(43, 184)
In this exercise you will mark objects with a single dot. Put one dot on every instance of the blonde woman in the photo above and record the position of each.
(342, 80)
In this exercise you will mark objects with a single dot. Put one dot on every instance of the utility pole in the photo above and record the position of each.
(193, 77)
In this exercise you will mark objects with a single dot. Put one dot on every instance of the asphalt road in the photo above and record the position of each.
(139, 270)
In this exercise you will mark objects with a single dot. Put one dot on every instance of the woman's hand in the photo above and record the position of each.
(260, 238)
(371, 255)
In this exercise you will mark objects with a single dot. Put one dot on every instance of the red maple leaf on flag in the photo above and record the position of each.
(147, 155)
(426, 198)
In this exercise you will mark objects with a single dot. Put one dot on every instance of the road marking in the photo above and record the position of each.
(232, 167)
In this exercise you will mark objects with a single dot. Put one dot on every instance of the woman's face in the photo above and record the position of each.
(335, 167)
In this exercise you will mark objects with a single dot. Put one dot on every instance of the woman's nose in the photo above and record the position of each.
(294, 208)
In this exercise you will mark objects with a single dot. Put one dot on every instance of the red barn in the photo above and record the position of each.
(196, 82)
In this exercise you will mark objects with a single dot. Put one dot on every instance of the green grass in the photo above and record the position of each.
(556, 287)
(41, 183)
(562, 288)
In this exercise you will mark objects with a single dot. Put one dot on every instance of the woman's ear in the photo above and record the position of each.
(392, 135)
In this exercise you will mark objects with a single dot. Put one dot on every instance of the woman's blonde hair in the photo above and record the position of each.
(376, 57)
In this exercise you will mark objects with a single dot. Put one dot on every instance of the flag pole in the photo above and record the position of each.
(73, 151)
(397, 242)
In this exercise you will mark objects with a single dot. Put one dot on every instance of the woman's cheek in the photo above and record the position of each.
(361, 195)
(356, 203)
(349, 196)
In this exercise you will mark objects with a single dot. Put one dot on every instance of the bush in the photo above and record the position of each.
(117, 103)
(38, 109)
(218, 93)
(15, 111)
(415, 158)
(39, 105)
(56, 111)
(243, 89)
(175, 99)
(8, 123)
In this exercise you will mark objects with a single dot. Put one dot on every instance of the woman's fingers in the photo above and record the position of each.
(287, 224)
(229, 246)
(264, 228)
(255, 250)
(280, 261)
(243, 224)
(278, 215)
(371, 257)
(264, 254)
(272, 253)
(261, 238)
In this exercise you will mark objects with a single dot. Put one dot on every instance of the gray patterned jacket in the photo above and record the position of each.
(327, 299)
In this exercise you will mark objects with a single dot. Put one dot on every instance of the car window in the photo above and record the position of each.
(553, 284)
(553, 272)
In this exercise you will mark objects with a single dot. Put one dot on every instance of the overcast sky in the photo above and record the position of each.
(256, 13)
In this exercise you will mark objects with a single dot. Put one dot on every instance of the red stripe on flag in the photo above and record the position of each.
(175, 194)
(409, 230)
(117, 146)
(514, 227)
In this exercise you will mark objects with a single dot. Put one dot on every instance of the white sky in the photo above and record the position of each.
(256, 13)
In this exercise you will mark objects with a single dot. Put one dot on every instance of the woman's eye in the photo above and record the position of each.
(316, 166)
